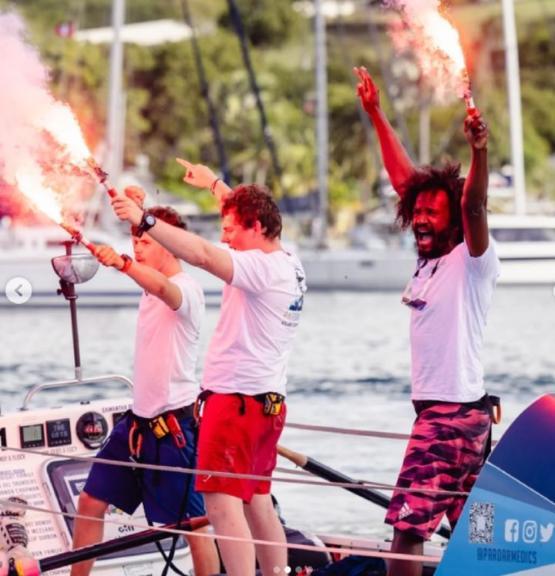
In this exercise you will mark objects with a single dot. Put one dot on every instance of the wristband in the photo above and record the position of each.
(213, 185)
(127, 261)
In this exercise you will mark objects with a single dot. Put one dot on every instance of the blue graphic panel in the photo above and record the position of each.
(508, 523)
(526, 449)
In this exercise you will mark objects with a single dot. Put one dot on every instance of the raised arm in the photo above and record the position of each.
(475, 191)
(185, 245)
(201, 176)
(396, 160)
(148, 278)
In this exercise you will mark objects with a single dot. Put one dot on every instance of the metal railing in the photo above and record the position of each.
(74, 381)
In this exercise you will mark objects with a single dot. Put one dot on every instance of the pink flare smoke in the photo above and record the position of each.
(434, 43)
(27, 110)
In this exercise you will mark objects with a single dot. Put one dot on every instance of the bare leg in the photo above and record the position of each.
(226, 515)
(265, 525)
(204, 553)
(404, 543)
(88, 531)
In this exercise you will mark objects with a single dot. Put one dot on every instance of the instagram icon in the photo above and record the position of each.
(529, 531)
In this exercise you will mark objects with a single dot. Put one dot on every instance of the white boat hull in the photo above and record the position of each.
(107, 288)
(27, 255)
(358, 270)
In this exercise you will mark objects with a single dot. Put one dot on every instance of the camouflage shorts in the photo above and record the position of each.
(446, 450)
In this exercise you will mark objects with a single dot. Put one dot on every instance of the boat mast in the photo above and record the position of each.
(515, 112)
(114, 132)
(321, 122)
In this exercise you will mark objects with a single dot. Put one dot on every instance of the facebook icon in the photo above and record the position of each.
(511, 530)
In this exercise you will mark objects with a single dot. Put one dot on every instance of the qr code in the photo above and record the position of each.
(481, 522)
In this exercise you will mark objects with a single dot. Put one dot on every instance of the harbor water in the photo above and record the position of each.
(350, 368)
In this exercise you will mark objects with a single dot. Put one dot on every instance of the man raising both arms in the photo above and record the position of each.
(449, 296)
(161, 428)
(246, 363)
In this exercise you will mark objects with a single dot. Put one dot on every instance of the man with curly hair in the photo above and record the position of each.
(246, 363)
(449, 296)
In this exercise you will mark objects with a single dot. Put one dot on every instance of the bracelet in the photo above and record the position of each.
(127, 261)
(213, 185)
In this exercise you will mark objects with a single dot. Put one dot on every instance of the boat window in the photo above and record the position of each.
(523, 234)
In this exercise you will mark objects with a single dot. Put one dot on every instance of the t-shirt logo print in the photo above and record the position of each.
(297, 304)
(292, 315)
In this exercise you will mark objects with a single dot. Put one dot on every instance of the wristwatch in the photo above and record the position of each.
(147, 222)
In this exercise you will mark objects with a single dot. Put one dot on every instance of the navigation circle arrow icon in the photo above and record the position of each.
(18, 290)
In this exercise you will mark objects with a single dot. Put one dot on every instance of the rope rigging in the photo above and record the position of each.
(237, 22)
(181, 469)
(205, 92)
(171, 531)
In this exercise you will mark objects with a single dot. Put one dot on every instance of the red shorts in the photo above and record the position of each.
(236, 436)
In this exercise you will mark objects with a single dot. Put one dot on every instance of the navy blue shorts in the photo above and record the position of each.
(166, 496)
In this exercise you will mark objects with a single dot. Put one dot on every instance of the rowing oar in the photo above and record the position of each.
(118, 544)
(318, 469)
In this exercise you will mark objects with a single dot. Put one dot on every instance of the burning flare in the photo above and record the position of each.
(45, 155)
(60, 122)
(31, 183)
(435, 43)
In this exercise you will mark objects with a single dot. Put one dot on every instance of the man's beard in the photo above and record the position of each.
(439, 246)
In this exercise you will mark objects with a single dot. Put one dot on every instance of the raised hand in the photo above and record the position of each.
(126, 209)
(367, 90)
(197, 175)
(108, 257)
(137, 194)
(476, 131)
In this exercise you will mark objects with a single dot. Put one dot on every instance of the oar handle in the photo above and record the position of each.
(295, 457)
(318, 469)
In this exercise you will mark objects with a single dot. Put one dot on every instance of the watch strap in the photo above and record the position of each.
(144, 226)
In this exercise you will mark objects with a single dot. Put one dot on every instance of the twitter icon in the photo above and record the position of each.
(546, 532)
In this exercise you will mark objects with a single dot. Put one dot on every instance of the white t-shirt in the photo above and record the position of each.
(260, 312)
(447, 334)
(166, 350)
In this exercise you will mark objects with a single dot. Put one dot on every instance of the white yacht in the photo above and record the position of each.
(350, 269)
(526, 247)
(26, 253)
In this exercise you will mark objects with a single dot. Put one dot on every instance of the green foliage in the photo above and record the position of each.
(78, 78)
(167, 116)
(266, 22)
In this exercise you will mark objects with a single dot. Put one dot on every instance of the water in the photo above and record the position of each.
(350, 368)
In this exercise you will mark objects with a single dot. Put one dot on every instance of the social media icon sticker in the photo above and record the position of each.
(546, 532)
(529, 531)
(511, 530)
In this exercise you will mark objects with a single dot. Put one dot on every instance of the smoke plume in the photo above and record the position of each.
(29, 121)
(426, 35)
